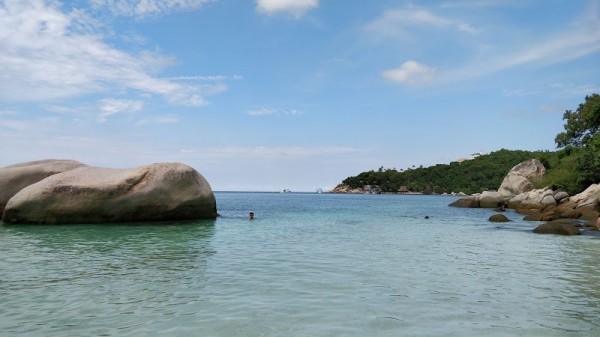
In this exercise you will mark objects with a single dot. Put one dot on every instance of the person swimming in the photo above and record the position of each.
(251, 216)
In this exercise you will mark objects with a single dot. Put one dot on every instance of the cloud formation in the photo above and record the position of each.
(410, 72)
(110, 107)
(398, 23)
(297, 8)
(273, 111)
(46, 54)
(580, 39)
(142, 8)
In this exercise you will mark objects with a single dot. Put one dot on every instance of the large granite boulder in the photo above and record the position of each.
(589, 198)
(534, 199)
(521, 177)
(157, 192)
(14, 178)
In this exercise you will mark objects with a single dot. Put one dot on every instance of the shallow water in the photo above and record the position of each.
(308, 265)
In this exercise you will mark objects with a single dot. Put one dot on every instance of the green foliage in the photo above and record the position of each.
(589, 162)
(581, 140)
(471, 176)
(561, 171)
(582, 124)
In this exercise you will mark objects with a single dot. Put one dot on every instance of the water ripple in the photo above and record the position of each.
(309, 265)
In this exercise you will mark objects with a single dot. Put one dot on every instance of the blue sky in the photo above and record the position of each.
(300, 94)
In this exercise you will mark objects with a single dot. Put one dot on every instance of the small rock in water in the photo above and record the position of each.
(498, 218)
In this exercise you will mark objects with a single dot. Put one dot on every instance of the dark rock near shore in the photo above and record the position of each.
(489, 199)
(466, 203)
(498, 218)
(157, 192)
(559, 227)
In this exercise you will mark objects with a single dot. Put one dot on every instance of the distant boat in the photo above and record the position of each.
(319, 190)
(286, 191)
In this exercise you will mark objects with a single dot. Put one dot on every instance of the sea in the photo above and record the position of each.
(308, 265)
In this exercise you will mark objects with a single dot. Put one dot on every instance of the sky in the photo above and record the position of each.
(269, 95)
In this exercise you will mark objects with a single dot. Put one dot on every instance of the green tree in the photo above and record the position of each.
(589, 162)
(582, 133)
(581, 124)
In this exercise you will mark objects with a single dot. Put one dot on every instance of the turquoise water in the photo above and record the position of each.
(308, 265)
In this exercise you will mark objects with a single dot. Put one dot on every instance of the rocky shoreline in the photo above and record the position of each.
(561, 213)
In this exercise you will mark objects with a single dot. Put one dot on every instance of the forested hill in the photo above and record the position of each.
(470, 176)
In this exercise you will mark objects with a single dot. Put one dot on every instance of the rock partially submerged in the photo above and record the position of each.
(556, 207)
(16, 177)
(560, 227)
(466, 203)
(157, 192)
(498, 218)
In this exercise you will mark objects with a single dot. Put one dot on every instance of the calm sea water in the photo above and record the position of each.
(308, 265)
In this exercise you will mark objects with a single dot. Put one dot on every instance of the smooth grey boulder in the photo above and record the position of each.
(560, 196)
(534, 199)
(521, 177)
(588, 198)
(490, 199)
(156, 192)
(14, 178)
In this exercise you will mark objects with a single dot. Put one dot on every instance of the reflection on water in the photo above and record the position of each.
(62, 277)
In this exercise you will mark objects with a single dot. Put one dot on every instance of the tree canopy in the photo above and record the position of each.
(582, 134)
(582, 124)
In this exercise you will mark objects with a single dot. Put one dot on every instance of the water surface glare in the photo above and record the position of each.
(308, 265)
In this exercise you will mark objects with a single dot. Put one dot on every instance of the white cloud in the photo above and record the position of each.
(570, 90)
(110, 107)
(399, 23)
(13, 124)
(297, 8)
(516, 92)
(47, 54)
(480, 3)
(410, 72)
(168, 119)
(206, 78)
(273, 111)
(142, 8)
(565, 46)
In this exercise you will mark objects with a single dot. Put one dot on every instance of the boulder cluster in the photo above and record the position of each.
(562, 213)
(67, 191)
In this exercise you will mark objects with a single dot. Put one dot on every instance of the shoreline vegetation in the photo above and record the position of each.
(572, 168)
